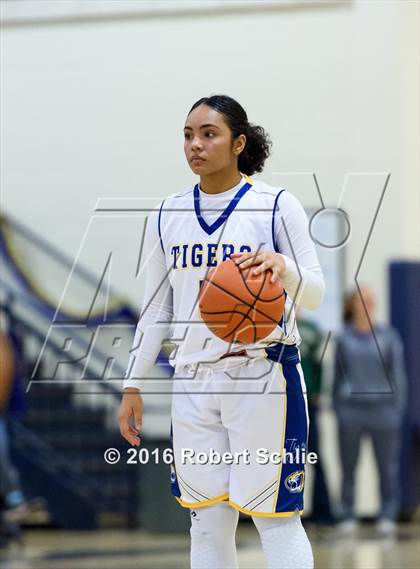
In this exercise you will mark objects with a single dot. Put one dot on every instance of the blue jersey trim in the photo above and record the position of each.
(272, 222)
(209, 229)
(160, 233)
(285, 325)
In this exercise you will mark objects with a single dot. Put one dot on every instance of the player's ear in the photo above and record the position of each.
(239, 144)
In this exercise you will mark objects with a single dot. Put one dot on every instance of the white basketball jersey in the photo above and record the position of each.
(195, 240)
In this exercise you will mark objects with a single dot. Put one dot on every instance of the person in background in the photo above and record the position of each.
(310, 355)
(369, 398)
(13, 506)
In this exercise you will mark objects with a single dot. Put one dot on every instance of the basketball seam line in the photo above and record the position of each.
(241, 301)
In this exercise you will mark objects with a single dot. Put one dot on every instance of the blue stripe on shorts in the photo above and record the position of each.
(290, 494)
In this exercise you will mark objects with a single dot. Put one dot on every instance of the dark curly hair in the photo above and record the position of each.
(258, 144)
(348, 306)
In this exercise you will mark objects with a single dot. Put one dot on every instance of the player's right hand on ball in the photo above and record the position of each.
(131, 411)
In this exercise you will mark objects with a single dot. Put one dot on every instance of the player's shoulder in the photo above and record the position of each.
(173, 200)
(263, 188)
(279, 194)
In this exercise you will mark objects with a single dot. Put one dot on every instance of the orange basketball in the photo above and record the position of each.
(240, 307)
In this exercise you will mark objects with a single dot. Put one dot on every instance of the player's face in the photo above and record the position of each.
(208, 142)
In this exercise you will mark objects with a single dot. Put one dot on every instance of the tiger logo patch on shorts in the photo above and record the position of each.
(295, 481)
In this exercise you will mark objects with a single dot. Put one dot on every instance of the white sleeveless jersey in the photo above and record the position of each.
(192, 247)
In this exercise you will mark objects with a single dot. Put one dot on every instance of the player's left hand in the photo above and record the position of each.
(264, 259)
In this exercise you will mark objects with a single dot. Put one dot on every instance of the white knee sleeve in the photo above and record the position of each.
(285, 543)
(213, 537)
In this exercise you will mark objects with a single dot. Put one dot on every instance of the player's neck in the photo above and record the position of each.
(219, 182)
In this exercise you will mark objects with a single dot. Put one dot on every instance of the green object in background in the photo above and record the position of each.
(310, 348)
(159, 510)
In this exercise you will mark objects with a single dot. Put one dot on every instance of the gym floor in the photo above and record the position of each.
(141, 550)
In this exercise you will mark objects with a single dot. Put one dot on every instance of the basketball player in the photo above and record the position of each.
(230, 398)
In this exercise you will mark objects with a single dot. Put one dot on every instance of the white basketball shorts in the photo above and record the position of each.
(240, 435)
